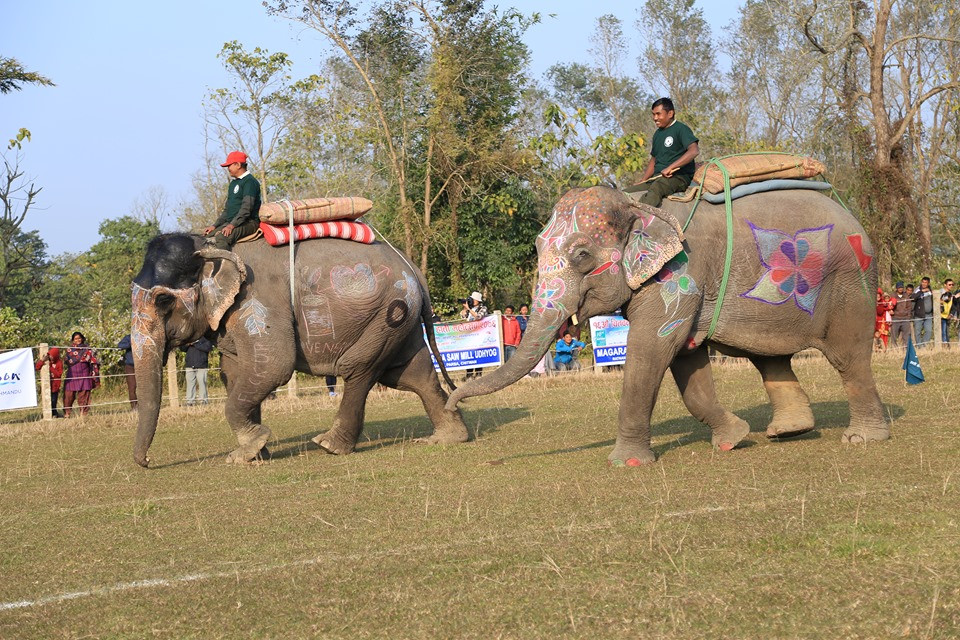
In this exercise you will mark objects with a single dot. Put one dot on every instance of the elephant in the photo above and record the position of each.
(356, 312)
(799, 274)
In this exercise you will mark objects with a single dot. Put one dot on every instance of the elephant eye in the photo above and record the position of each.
(581, 254)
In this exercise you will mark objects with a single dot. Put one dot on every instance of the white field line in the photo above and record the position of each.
(306, 562)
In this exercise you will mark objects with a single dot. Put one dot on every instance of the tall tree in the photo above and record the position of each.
(252, 114)
(22, 254)
(884, 90)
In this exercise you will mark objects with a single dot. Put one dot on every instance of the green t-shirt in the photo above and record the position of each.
(240, 188)
(669, 144)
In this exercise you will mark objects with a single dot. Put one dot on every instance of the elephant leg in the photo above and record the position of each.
(342, 438)
(419, 376)
(791, 406)
(694, 378)
(851, 359)
(641, 383)
(248, 385)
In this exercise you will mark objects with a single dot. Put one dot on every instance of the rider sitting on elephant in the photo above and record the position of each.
(241, 210)
(671, 157)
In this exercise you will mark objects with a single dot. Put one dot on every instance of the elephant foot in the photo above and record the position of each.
(252, 447)
(453, 433)
(862, 435)
(624, 455)
(728, 435)
(790, 424)
(334, 443)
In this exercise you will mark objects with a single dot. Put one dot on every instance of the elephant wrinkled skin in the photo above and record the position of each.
(357, 314)
(801, 276)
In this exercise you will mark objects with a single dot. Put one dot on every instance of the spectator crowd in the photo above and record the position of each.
(910, 313)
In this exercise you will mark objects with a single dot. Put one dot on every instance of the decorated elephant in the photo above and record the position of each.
(790, 270)
(356, 313)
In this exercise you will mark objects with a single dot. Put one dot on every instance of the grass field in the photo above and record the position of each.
(523, 532)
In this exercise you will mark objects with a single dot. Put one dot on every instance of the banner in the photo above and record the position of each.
(609, 336)
(469, 345)
(18, 384)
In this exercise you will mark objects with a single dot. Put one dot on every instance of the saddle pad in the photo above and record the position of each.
(767, 185)
(346, 229)
(315, 210)
(755, 167)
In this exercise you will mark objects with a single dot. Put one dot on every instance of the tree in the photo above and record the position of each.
(22, 254)
(678, 59)
(252, 114)
(13, 76)
(890, 76)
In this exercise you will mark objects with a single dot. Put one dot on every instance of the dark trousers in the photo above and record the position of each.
(663, 187)
(53, 403)
(221, 241)
(131, 385)
(82, 398)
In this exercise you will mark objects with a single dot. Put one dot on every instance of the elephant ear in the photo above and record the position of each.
(223, 273)
(653, 240)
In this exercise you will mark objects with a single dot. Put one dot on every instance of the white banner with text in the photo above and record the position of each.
(609, 336)
(469, 345)
(18, 384)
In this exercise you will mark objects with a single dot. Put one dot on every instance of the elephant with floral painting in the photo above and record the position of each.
(796, 273)
(356, 312)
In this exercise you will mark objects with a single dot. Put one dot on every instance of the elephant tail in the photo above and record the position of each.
(426, 316)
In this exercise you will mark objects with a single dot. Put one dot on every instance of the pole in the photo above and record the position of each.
(45, 393)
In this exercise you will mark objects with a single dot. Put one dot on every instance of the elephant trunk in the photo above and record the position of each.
(536, 341)
(148, 369)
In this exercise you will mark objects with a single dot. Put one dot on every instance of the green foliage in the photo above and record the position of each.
(19, 331)
(13, 76)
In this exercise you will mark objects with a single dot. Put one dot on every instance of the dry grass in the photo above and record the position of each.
(522, 533)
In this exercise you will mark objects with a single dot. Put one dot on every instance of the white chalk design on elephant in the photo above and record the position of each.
(254, 317)
(410, 288)
(356, 283)
(317, 319)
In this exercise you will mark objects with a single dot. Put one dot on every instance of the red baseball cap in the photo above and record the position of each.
(235, 156)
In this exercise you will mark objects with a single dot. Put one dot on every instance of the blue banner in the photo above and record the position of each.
(609, 336)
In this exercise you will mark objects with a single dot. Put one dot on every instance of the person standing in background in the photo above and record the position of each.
(196, 365)
(128, 373)
(83, 375)
(511, 333)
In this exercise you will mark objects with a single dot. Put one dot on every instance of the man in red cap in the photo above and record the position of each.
(240, 215)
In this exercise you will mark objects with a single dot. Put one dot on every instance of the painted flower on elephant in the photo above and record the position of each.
(675, 280)
(795, 265)
(548, 294)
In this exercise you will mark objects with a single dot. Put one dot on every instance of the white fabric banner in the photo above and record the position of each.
(609, 336)
(18, 384)
(469, 345)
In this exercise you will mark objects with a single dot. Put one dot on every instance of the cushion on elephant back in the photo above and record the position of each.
(346, 229)
(314, 210)
(755, 167)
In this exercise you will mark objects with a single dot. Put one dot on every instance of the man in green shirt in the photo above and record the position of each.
(672, 155)
(240, 215)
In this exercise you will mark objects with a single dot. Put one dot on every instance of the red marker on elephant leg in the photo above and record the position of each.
(725, 446)
(633, 462)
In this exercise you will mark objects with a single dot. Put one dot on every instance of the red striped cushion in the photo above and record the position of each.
(346, 229)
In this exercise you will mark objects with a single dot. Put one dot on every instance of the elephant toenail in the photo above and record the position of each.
(614, 463)
(633, 462)
(725, 446)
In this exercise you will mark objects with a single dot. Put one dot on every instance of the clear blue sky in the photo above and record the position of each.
(126, 112)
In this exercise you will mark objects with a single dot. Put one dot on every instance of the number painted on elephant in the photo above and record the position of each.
(410, 288)
(548, 295)
(254, 316)
(675, 281)
(795, 265)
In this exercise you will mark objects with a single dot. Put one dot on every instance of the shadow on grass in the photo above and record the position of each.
(378, 434)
